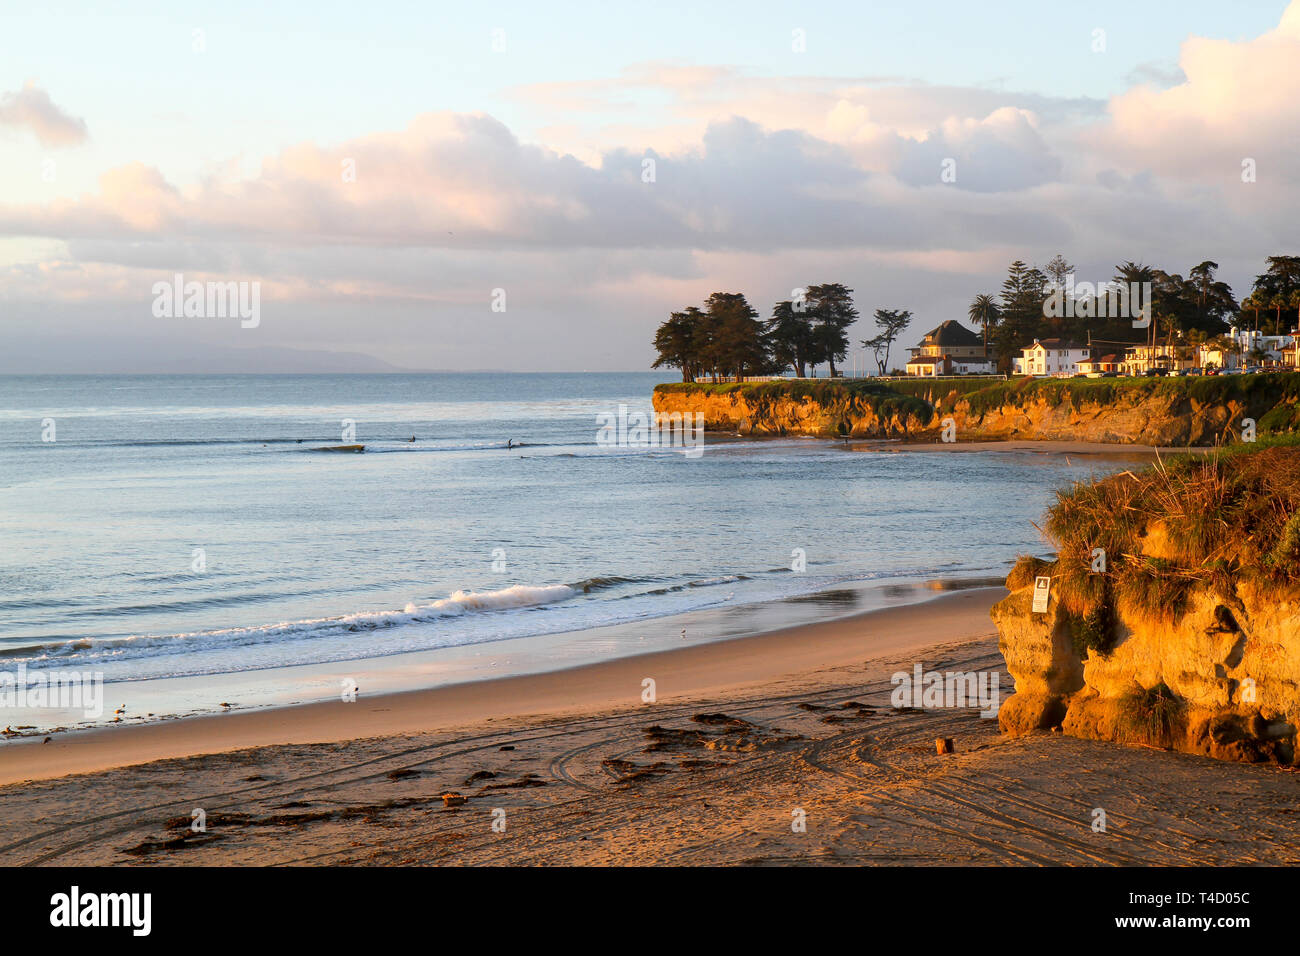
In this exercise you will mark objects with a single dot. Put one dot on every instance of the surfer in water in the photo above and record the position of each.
(510, 443)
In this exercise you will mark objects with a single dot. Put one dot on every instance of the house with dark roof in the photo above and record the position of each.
(951, 349)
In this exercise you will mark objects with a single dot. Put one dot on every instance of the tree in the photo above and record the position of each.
(1214, 299)
(791, 337)
(984, 312)
(1280, 279)
(831, 309)
(891, 323)
(1195, 339)
(1252, 303)
(1021, 312)
(679, 342)
(1058, 270)
(737, 344)
(1278, 302)
(1282, 275)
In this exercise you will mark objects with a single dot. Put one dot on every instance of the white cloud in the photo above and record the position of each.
(31, 108)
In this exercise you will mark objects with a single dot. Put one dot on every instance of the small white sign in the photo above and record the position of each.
(1042, 590)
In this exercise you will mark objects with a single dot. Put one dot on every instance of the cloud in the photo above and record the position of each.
(758, 184)
(1238, 100)
(32, 108)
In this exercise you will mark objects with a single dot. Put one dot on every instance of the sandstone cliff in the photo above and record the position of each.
(857, 409)
(1166, 412)
(1188, 636)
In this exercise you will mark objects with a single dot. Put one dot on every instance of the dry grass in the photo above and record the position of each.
(1209, 520)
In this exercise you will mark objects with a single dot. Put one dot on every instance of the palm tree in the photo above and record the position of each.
(1195, 339)
(1294, 303)
(984, 312)
(1278, 303)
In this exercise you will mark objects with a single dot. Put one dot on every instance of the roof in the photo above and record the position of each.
(926, 360)
(1056, 343)
(952, 333)
(1105, 359)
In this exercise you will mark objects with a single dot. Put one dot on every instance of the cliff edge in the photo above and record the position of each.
(1196, 410)
(1174, 611)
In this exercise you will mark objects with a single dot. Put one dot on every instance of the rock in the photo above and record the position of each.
(451, 799)
(943, 745)
(1040, 658)
(1193, 682)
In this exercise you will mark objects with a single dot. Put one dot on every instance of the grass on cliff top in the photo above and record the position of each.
(818, 390)
(1271, 389)
(1196, 519)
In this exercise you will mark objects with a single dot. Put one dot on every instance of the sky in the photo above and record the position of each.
(536, 186)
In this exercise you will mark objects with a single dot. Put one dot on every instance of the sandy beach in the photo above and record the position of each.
(744, 739)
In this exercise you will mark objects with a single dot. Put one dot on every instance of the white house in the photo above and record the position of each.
(1051, 357)
(1254, 341)
(951, 349)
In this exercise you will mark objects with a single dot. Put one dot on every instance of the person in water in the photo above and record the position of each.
(510, 443)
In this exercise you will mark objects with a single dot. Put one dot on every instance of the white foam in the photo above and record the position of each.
(519, 595)
(461, 602)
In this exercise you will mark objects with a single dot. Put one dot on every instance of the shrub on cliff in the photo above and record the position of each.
(1146, 539)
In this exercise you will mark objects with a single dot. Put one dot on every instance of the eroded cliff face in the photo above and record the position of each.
(1124, 417)
(1163, 420)
(1221, 678)
(749, 413)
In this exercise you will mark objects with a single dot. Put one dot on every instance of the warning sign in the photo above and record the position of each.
(1042, 590)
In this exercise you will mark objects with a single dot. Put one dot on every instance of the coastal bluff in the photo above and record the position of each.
(1174, 614)
(1162, 412)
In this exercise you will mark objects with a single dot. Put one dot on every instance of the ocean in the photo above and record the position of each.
(169, 527)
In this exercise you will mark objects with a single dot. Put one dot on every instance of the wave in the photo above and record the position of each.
(519, 596)
(702, 583)
(587, 585)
